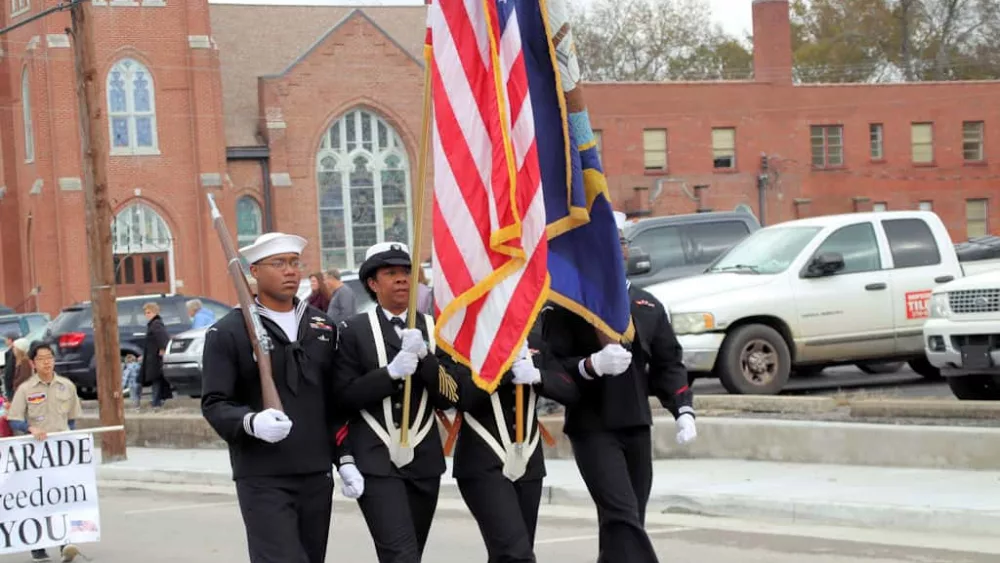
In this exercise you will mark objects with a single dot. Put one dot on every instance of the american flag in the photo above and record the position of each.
(489, 240)
(82, 526)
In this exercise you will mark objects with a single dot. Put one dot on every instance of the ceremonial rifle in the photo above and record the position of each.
(259, 338)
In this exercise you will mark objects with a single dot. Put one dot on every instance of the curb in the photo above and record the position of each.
(889, 517)
(886, 408)
(937, 520)
(751, 439)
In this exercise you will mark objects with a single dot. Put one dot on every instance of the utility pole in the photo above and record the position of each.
(94, 148)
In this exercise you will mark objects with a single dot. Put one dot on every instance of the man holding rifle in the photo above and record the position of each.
(281, 455)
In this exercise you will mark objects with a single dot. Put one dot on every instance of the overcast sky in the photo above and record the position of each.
(733, 15)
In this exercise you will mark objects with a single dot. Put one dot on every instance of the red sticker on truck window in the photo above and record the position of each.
(918, 304)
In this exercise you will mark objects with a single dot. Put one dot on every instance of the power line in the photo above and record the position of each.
(62, 6)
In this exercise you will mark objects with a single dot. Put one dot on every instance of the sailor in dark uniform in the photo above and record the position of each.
(500, 481)
(609, 427)
(377, 352)
(281, 461)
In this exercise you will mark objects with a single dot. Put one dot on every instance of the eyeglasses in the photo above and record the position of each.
(45, 359)
(279, 264)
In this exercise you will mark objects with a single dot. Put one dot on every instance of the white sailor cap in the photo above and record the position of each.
(620, 220)
(272, 244)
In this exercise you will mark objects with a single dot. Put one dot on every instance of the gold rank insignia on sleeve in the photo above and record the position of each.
(447, 385)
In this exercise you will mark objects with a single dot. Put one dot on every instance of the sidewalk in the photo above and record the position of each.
(963, 502)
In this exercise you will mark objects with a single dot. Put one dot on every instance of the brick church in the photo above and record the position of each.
(306, 119)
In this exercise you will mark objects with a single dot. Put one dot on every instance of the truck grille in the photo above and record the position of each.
(975, 301)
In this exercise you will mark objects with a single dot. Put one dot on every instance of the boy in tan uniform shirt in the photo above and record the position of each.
(45, 403)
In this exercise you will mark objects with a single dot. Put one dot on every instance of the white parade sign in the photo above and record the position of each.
(48, 492)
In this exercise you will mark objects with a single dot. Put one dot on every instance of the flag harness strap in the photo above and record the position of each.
(503, 452)
(389, 437)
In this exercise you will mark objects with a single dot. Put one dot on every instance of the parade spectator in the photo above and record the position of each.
(343, 304)
(45, 403)
(321, 293)
(425, 297)
(152, 355)
(9, 366)
(22, 369)
(132, 378)
(200, 316)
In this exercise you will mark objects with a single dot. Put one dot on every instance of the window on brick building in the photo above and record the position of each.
(972, 141)
(599, 139)
(880, 206)
(29, 127)
(363, 178)
(876, 139)
(976, 218)
(249, 221)
(132, 109)
(827, 143)
(926, 206)
(18, 6)
(922, 142)
(724, 148)
(654, 146)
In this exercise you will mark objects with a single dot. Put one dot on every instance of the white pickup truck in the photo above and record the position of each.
(962, 336)
(805, 294)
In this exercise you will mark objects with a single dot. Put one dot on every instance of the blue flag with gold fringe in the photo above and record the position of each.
(585, 258)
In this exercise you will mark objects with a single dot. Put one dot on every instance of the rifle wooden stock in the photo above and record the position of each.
(255, 328)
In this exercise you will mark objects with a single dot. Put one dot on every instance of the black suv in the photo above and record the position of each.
(73, 333)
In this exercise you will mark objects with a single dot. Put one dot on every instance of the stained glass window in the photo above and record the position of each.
(363, 180)
(139, 228)
(249, 221)
(132, 109)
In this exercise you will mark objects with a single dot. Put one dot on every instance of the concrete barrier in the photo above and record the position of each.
(942, 447)
(841, 443)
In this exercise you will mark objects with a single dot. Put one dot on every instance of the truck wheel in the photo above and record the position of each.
(874, 368)
(976, 387)
(754, 361)
(925, 369)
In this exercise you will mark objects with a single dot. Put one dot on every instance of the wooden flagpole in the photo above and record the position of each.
(418, 231)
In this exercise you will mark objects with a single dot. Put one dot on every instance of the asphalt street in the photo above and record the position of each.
(169, 526)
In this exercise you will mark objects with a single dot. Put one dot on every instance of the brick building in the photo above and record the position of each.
(312, 127)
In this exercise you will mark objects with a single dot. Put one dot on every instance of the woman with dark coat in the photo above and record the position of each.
(321, 294)
(153, 350)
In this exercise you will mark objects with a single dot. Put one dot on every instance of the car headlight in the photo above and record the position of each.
(692, 323)
(940, 309)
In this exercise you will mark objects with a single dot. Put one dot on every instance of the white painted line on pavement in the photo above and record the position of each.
(595, 536)
(181, 507)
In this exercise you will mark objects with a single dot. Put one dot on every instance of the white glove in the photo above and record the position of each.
(404, 364)
(525, 372)
(686, 431)
(352, 482)
(611, 360)
(269, 425)
(413, 342)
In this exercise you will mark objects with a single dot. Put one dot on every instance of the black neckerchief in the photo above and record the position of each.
(296, 357)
